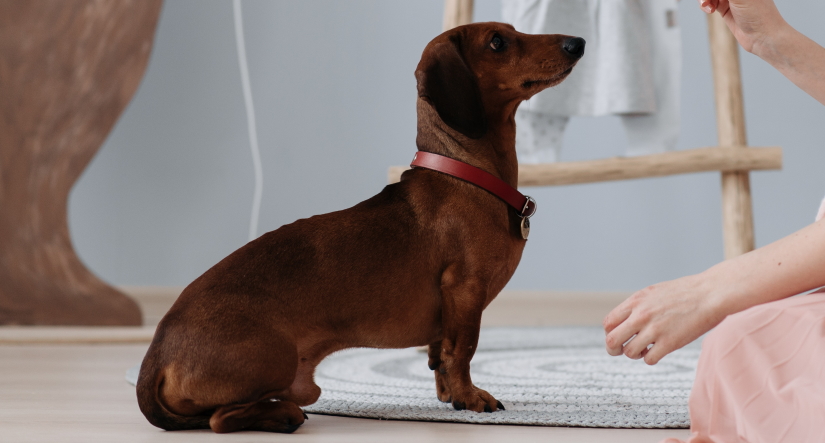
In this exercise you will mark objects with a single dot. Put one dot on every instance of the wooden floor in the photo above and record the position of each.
(59, 385)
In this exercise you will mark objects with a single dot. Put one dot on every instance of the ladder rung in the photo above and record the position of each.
(723, 158)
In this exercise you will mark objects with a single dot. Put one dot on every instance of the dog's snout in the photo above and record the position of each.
(574, 46)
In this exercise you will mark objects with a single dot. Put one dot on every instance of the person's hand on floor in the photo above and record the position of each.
(668, 315)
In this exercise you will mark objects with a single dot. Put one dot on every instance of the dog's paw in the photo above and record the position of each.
(267, 416)
(477, 400)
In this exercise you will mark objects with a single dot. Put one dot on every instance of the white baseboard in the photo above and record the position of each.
(510, 308)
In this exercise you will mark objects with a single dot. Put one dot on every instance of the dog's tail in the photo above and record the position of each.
(149, 386)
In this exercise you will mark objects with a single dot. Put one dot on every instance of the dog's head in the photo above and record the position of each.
(471, 71)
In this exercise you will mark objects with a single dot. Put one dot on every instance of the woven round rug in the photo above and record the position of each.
(559, 376)
(548, 376)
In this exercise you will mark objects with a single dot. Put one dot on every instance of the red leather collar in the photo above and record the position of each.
(524, 205)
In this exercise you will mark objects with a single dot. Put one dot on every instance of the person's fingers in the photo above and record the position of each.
(644, 353)
(708, 5)
(639, 344)
(657, 352)
(618, 315)
(615, 340)
(723, 7)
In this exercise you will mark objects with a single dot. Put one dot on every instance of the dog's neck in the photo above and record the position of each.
(495, 152)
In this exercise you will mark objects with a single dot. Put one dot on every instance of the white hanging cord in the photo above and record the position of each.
(250, 120)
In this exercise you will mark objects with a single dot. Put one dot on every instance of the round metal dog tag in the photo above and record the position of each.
(525, 227)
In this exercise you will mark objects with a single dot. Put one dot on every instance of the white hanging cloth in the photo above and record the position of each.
(631, 67)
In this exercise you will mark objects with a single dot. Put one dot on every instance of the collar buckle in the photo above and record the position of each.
(528, 211)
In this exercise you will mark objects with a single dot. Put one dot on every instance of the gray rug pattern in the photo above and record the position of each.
(548, 376)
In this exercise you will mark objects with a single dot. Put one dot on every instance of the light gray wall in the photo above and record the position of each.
(170, 192)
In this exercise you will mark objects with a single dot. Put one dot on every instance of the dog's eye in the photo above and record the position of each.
(497, 43)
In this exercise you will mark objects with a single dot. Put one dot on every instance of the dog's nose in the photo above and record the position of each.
(574, 46)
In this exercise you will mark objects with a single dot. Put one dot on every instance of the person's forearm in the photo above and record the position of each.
(797, 57)
(787, 267)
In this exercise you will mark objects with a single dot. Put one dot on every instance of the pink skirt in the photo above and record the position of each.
(761, 376)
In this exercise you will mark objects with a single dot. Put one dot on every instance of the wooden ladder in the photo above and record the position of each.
(733, 158)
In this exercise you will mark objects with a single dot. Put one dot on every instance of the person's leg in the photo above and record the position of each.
(539, 136)
(761, 376)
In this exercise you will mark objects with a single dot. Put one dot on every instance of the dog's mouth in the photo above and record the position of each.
(545, 83)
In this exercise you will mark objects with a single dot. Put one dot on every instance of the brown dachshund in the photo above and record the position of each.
(414, 265)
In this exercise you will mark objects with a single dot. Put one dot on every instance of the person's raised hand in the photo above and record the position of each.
(752, 22)
(667, 315)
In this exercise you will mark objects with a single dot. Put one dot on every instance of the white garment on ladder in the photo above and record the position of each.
(631, 67)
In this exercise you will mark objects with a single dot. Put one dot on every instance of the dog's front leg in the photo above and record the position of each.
(450, 358)
(442, 386)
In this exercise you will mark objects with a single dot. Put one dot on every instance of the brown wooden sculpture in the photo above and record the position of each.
(67, 70)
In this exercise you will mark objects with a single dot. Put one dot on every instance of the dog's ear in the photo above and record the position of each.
(445, 79)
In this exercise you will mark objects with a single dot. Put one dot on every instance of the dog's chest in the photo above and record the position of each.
(508, 262)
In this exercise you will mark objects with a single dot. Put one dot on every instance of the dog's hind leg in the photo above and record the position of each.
(303, 391)
(269, 413)
(265, 415)
(199, 382)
